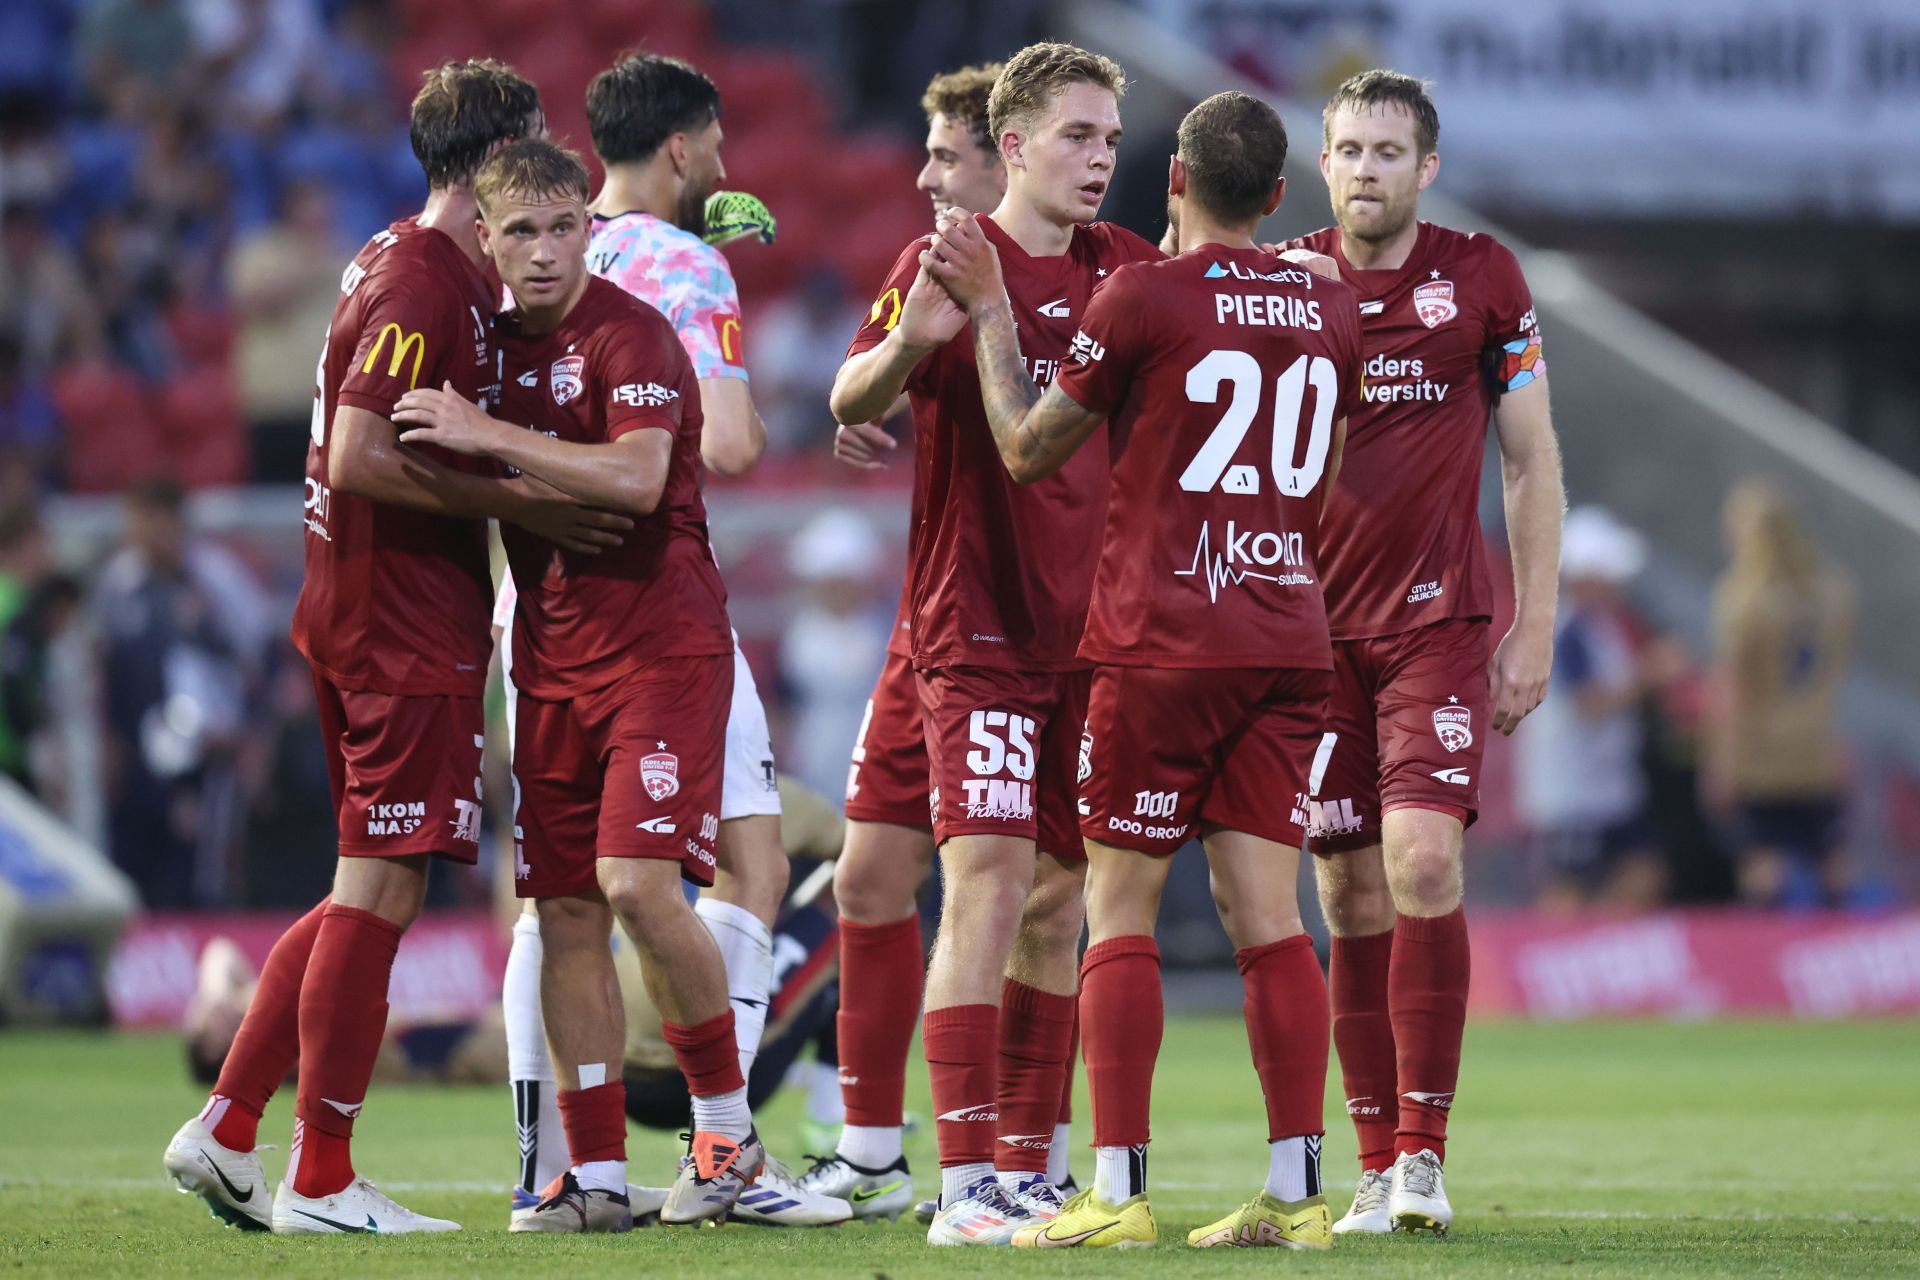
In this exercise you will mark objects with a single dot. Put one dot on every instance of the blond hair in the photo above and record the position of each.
(531, 167)
(1035, 76)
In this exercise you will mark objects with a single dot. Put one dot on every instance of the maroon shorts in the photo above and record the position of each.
(1168, 750)
(405, 771)
(1003, 753)
(1409, 717)
(633, 770)
(888, 779)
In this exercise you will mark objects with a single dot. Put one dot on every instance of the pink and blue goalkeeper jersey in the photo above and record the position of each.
(681, 276)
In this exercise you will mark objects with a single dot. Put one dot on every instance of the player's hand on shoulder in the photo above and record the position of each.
(1521, 666)
(930, 317)
(864, 445)
(443, 417)
(1318, 263)
(964, 261)
(551, 514)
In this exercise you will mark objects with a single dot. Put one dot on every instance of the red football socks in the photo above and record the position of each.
(1122, 1018)
(707, 1055)
(1065, 1115)
(343, 1013)
(962, 1046)
(268, 1042)
(882, 970)
(1363, 1033)
(1427, 992)
(1287, 1026)
(596, 1122)
(1036, 1035)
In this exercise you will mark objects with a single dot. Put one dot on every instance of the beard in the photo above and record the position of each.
(1173, 216)
(1393, 217)
(692, 213)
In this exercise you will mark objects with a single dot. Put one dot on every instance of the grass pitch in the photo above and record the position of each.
(1621, 1149)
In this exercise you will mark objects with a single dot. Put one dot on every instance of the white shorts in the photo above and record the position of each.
(749, 787)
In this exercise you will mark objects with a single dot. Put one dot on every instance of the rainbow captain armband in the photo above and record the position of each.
(735, 215)
(1520, 362)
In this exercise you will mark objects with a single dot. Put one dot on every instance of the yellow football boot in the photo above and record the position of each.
(1088, 1222)
(1264, 1222)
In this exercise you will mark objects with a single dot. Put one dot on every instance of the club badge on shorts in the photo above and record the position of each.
(568, 378)
(1433, 303)
(660, 773)
(1454, 725)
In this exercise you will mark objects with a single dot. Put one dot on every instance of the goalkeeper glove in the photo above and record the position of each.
(735, 215)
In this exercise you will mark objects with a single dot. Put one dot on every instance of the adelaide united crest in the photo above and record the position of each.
(568, 378)
(660, 773)
(1454, 726)
(1433, 303)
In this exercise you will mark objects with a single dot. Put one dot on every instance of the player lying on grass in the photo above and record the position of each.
(1001, 692)
(624, 674)
(1226, 377)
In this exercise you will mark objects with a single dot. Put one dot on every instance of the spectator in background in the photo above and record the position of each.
(284, 279)
(182, 627)
(1783, 620)
(43, 298)
(1581, 788)
(147, 40)
(833, 645)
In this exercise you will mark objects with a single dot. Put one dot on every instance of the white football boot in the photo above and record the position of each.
(231, 1182)
(1419, 1198)
(360, 1209)
(1032, 1192)
(871, 1194)
(983, 1215)
(1368, 1216)
(778, 1199)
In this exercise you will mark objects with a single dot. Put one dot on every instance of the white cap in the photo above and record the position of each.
(1593, 544)
(836, 543)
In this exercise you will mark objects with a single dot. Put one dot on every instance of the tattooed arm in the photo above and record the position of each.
(1036, 432)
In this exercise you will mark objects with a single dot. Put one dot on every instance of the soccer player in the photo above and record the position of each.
(994, 635)
(889, 848)
(1451, 337)
(1227, 377)
(393, 618)
(656, 128)
(624, 672)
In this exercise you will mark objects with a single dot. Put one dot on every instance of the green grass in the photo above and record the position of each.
(1608, 1150)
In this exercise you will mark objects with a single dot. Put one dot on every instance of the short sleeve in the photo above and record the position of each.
(642, 371)
(1100, 364)
(704, 305)
(403, 344)
(1513, 327)
(884, 314)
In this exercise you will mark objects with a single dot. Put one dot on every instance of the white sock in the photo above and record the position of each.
(723, 1113)
(1293, 1168)
(536, 1098)
(870, 1147)
(824, 1103)
(1119, 1173)
(746, 948)
(955, 1180)
(602, 1175)
(1057, 1171)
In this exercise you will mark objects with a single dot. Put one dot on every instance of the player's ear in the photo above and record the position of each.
(1279, 194)
(677, 152)
(486, 241)
(1176, 176)
(1324, 154)
(1012, 150)
(1429, 169)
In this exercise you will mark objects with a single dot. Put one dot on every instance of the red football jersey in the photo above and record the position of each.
(613, 366)
(1222, 373)
(991, 570)
(1445, 334)
(395, 600)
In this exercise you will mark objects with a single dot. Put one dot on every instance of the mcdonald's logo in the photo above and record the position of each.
(403, 342)
(726, 327)
(888, 305)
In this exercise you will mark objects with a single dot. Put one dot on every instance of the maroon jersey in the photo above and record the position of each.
(1222, 373)
(613, 366)
(1445, 334)
(992, 570)
(395, 600)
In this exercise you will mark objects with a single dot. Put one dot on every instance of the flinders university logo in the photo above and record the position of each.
(567, 376)
(660, 773)
(1454, 725)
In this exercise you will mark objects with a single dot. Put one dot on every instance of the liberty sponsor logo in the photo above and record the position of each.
(1433, 303)
(1246, 553)
(400, 819)
(1454, 726)
(567, 378)
(1425, 591)
(1085, 350)
(1332, 818)
(1234, 271)
(660, 772)
(648, 396)
(1002, 761)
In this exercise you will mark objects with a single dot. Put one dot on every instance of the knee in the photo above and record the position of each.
(1426, 877)
(1054, 913)
(572, 922)
(1354, 906)
(864, 891)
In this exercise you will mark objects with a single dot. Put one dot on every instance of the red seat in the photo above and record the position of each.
(203, 428)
